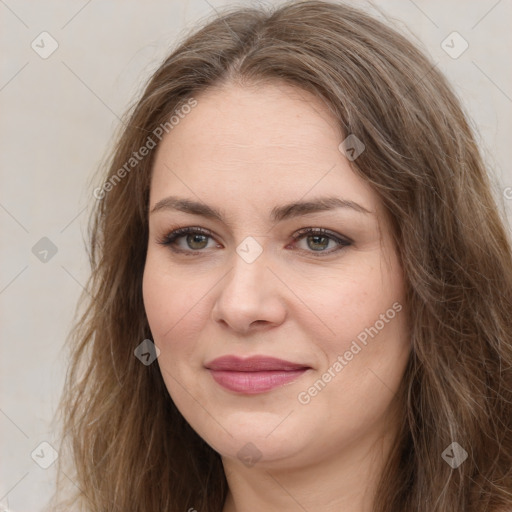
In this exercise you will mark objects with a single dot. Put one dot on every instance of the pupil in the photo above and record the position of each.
(317, 242)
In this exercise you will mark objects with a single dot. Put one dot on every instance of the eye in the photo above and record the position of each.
(188, 240)
(193, 240)
(318, 240)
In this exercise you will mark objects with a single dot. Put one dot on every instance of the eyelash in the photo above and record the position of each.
(169, 239)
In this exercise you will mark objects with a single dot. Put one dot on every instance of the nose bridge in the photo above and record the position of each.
(249, 266)
(250, 293)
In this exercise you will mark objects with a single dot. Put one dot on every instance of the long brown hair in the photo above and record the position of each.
(130, 447)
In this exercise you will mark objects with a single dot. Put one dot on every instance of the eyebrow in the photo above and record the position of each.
(279, 213)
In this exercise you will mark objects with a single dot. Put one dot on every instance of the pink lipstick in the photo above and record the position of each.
(255, 374)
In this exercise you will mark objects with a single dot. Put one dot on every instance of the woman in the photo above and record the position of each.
(301, 285)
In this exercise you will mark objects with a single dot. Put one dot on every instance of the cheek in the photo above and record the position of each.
(367, 305)
(175, 303)
(176, 315)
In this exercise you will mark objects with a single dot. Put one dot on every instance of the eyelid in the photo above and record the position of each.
(341, 240)
(178, 232)
(322, 231)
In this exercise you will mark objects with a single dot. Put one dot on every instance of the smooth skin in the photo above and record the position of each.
(244, 151)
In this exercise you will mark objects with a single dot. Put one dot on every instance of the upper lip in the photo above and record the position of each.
(252, 364)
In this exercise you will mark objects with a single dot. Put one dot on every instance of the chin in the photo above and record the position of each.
(255, 445)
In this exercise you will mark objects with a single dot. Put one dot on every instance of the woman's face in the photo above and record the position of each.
(251, 169)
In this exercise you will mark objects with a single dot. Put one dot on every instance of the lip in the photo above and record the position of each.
(253, 364)
(255, 374)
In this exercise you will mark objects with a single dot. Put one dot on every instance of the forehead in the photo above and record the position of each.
(273, 141)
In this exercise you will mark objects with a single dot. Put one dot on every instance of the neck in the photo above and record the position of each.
(344, 479)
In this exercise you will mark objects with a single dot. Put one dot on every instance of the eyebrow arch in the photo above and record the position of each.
(279, 213)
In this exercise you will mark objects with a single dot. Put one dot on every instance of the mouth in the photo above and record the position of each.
(254, 375)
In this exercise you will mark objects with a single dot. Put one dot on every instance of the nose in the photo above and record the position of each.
(249, 297)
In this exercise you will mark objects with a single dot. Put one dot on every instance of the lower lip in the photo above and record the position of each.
(255, 382)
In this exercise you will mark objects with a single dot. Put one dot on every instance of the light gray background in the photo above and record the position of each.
(58, 116)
